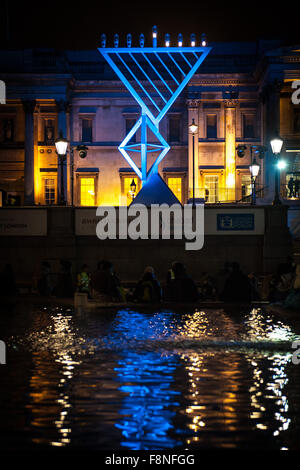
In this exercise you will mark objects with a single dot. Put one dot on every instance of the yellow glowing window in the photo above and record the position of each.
(175, 184)
(49, 190)
(87, 191)
(128, 190)
(211, 183)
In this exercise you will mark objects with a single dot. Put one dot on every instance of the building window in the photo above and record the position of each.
(211, 126)
(248, 126)
(87, 130)
(211, 188)
(174, 130)
(296, 121)
(8, 130)
(129, 123)
(175, 184)
(87, 191)
(49, 131)
(246, 188)
(127, 193)
(49, 191)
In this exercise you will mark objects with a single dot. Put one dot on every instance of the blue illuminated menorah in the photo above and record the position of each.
(155, 76)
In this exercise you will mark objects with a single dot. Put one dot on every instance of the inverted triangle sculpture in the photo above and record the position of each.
(155, 77)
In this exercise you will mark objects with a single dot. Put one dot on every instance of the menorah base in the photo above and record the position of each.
(155, 191)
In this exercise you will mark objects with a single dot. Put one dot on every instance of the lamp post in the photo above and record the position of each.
(61, 145)
(276, 145)
(254, 170)
(193, 129)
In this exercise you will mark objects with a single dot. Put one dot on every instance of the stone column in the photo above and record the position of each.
(29, 107)
(193, 113)
(62, 109)
(230, 145)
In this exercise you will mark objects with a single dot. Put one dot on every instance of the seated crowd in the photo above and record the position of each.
(230, 284)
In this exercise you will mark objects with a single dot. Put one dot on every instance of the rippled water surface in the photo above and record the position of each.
(136, 380)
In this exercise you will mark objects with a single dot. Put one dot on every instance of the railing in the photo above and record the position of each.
(217, 195)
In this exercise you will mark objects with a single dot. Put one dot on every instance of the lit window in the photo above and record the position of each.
(49, 191)
(127, 191)
(87, 191)
(211, 184)
(246, 185)
(87, 130)
(175, 184)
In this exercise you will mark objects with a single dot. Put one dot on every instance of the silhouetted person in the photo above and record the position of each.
(291, 187)
(148, 288)
(44, 283)
(106, 283)
(98, 279)
(180, 287)
(64, 286)
(222, 276)
(237, 287)
(255, 295)
(287, 267)
(208, 288)
(83, 280)
(7, 281)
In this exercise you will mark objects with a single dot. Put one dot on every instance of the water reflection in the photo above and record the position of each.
(268, 392)
(147, 407)
(156, 381)
(49, 384)
(208, 324)
(262, 326)
(213, 398)
(147, 380)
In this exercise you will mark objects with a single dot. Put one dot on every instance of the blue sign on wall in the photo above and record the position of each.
(232, 222)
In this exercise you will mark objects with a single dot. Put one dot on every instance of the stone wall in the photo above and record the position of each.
(257, 252)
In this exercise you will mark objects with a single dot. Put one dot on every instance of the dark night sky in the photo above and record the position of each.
(79, 24)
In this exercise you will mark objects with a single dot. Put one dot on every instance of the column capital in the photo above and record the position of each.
(230, 98)
(29, 106)
(193, 103)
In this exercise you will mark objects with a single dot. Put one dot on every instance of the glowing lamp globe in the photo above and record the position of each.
(61, 145)
(281, 165)
(254, 168)
(276, 145)
(193, 127)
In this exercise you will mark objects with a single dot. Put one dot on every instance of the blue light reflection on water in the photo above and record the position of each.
(146, 379)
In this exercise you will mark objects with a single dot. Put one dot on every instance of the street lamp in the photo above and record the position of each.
(193, 129)
(254, 170)
(132, 189)
(61, 145)
(276, 145)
